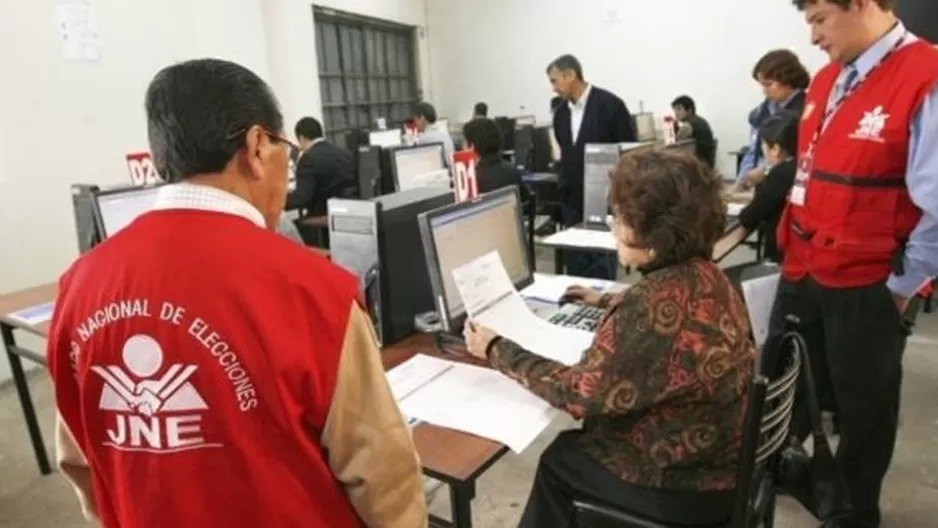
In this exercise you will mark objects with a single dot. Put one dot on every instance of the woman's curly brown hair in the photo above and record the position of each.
(783, 67)
(671, 201)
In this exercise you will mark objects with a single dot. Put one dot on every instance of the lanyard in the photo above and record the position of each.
(833, 108)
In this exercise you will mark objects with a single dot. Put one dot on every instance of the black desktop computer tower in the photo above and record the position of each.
(368, 164)
(379, 241)
(506, 131)
(524, 146)
(83, 205)
(541, 152)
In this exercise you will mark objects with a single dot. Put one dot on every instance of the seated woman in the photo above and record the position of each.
(662, 390)
(492, 172)
(779, 135)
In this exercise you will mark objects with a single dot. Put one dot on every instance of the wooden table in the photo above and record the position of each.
(457, 459)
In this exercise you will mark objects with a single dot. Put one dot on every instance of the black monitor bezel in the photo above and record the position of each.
(453, 324)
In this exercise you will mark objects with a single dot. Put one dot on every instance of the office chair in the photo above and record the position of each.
(765, 436)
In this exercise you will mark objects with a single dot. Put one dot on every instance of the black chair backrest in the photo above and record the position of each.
(765, 433)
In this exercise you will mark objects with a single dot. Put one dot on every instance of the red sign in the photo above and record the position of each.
(464, 175)
(142, 170)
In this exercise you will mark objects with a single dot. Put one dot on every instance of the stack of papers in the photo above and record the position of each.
(471, 399)
(759, 294)
(584, 238)
(492, 301)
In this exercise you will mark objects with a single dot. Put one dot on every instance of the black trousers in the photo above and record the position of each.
(855, 339)
(565, 473)
(590, 264)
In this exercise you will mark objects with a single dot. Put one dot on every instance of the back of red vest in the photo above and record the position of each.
(856, 210)
(195, 357)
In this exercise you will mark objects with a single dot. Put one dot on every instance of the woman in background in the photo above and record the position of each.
(783, 80)
(661, 391)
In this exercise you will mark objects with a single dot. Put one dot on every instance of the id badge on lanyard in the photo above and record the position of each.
(799, 189)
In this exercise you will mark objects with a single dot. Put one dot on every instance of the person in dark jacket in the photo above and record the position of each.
(783, 79)
(779, 135)
(323, 171)
(590, 115)
(705, 147)
(492, 172)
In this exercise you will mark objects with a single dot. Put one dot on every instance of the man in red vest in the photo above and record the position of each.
(860, 230)
(209, 372)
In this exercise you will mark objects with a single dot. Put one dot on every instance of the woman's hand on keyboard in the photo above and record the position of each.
(581, 295)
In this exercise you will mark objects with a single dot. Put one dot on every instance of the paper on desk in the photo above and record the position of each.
(491, 300)
(585, 238)
(438, 178)
(479, 401)
(34, 315)
(759, 294)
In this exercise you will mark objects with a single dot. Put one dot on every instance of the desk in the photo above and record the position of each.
(454, 458)
(15, 354)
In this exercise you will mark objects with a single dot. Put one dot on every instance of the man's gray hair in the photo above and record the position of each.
(566, 63)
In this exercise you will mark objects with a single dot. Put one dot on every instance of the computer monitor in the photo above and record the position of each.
(115, 209)
(460, 233)
(645, 126)
(385, 138)
(379, 241)
(418, 166)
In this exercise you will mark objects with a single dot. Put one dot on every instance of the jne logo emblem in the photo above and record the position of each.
(871, 125)
(155, 410)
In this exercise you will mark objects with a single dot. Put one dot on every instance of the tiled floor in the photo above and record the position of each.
(911, 496)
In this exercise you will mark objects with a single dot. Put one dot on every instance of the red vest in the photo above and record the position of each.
(195, 357)
(857, 212)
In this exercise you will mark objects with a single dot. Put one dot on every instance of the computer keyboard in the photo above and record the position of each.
(577, 316)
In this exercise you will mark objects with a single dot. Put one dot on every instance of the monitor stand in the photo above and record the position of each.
(449, 344)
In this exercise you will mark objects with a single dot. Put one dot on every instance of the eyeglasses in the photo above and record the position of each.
(276, 138)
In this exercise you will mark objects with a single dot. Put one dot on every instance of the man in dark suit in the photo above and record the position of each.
(590, 115)
(323, 170)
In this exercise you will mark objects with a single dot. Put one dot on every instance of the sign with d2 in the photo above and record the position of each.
(464, 175)
(141, 168)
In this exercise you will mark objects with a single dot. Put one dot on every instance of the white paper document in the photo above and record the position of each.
(584, 238)
(78, 30)
(34, 315)
(492, 301)
(471, 399)
(759, 294)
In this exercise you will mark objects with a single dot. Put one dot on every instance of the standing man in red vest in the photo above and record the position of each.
(209, 372)
(860, 230)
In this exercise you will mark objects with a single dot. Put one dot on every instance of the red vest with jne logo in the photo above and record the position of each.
(857, 211)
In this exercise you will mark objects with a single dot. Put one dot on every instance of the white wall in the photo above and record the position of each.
(650, 52)
(68, 122)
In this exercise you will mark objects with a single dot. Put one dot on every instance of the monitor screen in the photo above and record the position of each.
(461, 233)
(385, 138)
(418, 166)
(118, 209)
